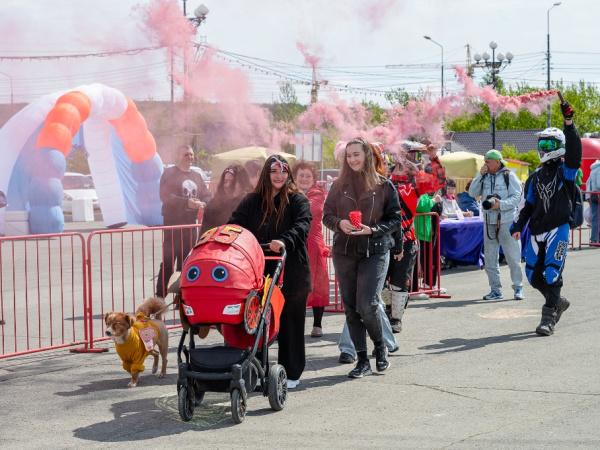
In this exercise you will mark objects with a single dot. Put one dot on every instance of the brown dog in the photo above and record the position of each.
(136, 339)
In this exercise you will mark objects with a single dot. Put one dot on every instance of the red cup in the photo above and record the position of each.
(356, 218)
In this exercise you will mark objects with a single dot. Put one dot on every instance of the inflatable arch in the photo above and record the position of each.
(121, 154)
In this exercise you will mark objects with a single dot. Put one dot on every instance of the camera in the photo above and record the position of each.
(490, 201)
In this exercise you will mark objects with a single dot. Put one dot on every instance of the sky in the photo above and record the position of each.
(268, 42)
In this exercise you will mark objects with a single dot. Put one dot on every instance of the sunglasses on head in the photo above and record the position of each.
(547, 145)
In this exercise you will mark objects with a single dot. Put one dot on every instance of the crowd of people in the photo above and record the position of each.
(372, 209)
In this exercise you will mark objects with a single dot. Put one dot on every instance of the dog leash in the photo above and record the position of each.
(153, 316)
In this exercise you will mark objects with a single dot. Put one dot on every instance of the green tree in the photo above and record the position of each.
(531, 157)
(401, 97)
(77, 162)
(376, 112)
(287, 108)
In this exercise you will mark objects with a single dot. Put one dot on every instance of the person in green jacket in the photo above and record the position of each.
(427, 236)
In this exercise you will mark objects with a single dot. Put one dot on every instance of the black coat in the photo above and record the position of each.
(293, 231)
(380, 210)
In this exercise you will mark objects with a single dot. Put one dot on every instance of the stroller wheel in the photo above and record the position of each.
(277, 387)
(186, 403)
(238, 406)
(252, 312)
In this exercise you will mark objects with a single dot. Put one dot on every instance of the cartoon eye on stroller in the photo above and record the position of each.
(223, 283)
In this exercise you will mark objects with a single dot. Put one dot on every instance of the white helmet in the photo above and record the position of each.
(551, 144)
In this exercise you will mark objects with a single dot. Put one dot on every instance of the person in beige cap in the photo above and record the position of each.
(500, 192)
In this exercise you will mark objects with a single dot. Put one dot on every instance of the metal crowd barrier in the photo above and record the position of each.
(123, 269)
(43, 296)
(578, 232)
(56, 288)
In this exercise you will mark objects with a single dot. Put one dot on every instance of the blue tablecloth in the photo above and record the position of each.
(462, 241)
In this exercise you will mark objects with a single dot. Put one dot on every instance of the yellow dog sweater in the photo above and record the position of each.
(142, 337)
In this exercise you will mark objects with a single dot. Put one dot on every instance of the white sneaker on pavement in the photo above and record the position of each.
(292, 384)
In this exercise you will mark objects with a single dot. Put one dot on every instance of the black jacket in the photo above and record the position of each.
(176, 187)
(293, 231)
(380, 210)
(546, 202)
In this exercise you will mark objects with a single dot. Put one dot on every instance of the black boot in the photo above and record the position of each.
(563, 305)
(546, 326)
(381, 358)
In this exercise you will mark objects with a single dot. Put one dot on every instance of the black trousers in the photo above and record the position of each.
(292, 354)
(400, 272)
(176, 246)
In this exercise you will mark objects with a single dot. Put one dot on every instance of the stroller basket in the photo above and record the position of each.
(216, 359)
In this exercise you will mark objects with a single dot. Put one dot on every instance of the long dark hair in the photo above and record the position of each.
(240, 176)
(368, 173)
(265, 190)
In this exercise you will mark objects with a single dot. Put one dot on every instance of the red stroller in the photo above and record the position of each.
(223, 283)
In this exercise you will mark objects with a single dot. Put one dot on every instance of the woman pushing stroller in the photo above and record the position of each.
(278, 213)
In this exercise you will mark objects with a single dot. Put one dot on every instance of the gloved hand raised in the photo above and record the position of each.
(567, 110)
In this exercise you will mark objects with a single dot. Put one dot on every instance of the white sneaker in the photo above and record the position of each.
(442, 290)
(420, 296)
(292, 384)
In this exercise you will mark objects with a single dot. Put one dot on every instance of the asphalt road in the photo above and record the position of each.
(470, 373)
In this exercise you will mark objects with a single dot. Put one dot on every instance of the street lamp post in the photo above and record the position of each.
(548, 54)
(200, 14)
(11, 92)
(493, 67)
(436, 43)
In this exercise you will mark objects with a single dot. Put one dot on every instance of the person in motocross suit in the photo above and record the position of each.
(547, 203)
(410, 184)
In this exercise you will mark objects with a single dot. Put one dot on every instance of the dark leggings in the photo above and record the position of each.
(291, 335)
(318, 315)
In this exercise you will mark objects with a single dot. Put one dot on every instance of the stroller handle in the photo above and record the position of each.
(278, 273)
(283, 252)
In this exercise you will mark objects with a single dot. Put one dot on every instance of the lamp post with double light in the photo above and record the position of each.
(440, 45)
(200, 14)
(493, 67)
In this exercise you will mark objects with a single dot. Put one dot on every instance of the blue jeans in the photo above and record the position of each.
(346, 346)
(594, 227)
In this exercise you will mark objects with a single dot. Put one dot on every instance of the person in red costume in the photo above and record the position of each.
(410, 183)
(306, 175)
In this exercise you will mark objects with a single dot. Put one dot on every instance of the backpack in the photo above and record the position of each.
(576, 200)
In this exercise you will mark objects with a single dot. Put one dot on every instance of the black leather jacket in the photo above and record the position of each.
(380, 210)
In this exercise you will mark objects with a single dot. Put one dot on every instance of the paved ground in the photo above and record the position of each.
(469, 374)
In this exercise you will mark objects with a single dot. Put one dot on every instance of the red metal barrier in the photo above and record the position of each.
(427, 267)
(578, 232)
(43, 293)
(123, 270)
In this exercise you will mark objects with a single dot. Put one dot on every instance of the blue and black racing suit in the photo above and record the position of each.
(547, 204)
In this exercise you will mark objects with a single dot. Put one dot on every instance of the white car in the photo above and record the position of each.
(77, 185)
